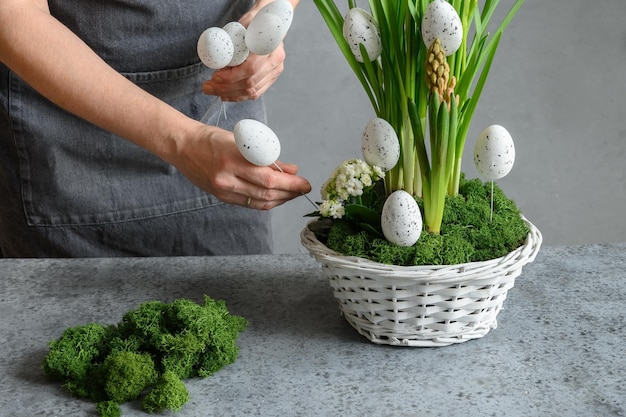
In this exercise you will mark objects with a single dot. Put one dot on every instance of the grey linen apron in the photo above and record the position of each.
(70, 189)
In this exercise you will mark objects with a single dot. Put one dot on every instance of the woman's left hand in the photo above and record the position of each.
(255, 76)
(249, 80)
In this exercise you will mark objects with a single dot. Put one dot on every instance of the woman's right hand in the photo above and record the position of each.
(210, 159)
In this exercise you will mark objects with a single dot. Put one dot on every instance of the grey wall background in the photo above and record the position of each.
(558, 84)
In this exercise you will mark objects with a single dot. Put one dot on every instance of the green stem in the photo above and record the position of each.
(452, 146)
(439, 188)
(439, 123)
(409, 161)
(417, 126)
(456, 176)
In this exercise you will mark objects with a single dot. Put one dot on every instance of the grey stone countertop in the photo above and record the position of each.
(559, 349)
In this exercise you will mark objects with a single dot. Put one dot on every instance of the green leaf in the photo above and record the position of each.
(334, 20)
(419, 142)
(362, 213)
(473, 102)
(364, 217)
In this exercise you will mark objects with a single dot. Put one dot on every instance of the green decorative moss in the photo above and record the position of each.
(149, 353)
(109, 409)
(169, 393)
(468, 233)
(126, 374)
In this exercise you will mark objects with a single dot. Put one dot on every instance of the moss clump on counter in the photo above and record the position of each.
(109, 409)
(468, 234)
(169, 393)
(148, 354)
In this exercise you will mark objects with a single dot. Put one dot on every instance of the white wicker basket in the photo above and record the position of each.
(421, 305)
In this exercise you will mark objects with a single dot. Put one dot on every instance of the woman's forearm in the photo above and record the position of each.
(60, 66)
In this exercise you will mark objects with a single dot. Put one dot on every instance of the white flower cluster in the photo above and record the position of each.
(348, 180)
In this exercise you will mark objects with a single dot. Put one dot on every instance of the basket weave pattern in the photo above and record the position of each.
(421, 305)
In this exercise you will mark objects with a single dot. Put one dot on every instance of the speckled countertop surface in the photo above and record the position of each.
(558, 349)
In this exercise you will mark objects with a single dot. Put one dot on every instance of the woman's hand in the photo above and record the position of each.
(249, 80)
(255, 76)
(211, 160)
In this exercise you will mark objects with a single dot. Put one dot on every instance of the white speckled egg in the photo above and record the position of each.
(264, 33)
(215, 48)
(401, 219)
(256, 142)
(380, 145)
(359, 27)
(282, 9)
(441, 21)
(237, 33)
(494, 153)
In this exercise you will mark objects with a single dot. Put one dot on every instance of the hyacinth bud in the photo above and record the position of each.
(438, 72)
(450, 93)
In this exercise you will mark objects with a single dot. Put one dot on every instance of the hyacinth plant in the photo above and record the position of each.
(427, 94)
